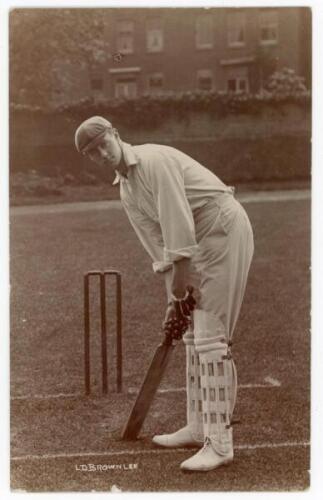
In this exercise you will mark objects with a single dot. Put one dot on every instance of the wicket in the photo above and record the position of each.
(104, 360)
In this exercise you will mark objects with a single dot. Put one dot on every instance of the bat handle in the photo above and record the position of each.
(168, 340)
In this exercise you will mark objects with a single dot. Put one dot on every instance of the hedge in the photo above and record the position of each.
(150, 111)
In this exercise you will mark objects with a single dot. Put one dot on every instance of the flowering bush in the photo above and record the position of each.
(286, 83)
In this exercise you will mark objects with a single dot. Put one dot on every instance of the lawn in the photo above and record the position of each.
(49, 254)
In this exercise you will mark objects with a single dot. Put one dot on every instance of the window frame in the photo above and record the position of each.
(125, 33)
(268, 25)
(235, 43)
(160, 30)
(200, 45)
(155, 75)
(238, 79)
(122, 81)
(204, 73)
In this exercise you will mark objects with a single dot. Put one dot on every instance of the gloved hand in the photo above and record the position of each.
(185, 305)
(177, 317)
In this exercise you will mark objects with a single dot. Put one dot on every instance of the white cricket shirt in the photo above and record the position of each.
(162, 195)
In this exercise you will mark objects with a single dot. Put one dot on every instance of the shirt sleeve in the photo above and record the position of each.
(174, 212)
(150, 236)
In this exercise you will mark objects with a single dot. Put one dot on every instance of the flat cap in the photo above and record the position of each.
(90, 132)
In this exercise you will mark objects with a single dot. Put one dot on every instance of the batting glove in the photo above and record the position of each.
(185, 305)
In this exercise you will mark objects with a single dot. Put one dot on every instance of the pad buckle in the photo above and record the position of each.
(233, 422)
(229, 353)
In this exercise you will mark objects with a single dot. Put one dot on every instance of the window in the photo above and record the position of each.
(204, 79)
(238, 80)
(268, 24)
(236, 29)
(204, 32)
(125, 87)
(154, 35)
(155, 83)
(238, 85)
(125, 37)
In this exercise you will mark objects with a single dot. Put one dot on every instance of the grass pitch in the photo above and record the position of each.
(53, 437)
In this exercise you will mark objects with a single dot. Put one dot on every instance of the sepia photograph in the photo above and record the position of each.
(160, 187)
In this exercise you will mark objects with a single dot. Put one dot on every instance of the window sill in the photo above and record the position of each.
(205, 90)
(125, 52)
(204, 47)
(237, 92)
(268, 42)
(236, 45)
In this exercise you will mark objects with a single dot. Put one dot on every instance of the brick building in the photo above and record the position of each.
(162, 50)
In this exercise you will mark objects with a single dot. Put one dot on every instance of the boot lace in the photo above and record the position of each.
(207, 445)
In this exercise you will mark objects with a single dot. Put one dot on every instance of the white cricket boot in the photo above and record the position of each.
(182, 438)
(216, 451)
(192, 434)
(218, 382)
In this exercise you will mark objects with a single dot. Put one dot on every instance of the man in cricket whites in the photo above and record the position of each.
(191, 225)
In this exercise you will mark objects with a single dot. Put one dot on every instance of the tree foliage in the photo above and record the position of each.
(39, 38)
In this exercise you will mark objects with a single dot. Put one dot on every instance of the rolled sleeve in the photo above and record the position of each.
(162, 267)
(173, 255)
(174, 212)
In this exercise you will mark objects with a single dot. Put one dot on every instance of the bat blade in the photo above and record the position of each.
(147, 391)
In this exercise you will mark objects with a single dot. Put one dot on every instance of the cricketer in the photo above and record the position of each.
(197, 233)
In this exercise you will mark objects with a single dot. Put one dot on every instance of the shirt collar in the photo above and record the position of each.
(130, 160)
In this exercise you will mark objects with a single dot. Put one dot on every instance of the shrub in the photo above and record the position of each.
(151, 111)
(286, 83)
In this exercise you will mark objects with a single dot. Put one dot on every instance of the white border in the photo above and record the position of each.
(4, 256)
(317, 225)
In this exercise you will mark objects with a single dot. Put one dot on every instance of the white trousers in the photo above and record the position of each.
(220, 268)
(219, 276)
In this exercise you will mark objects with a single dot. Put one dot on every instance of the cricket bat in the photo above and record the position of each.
(148, 390)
